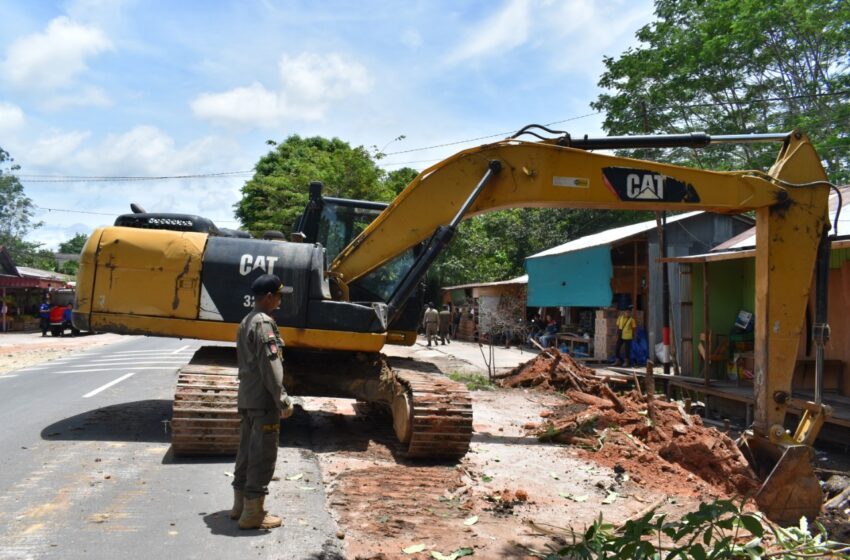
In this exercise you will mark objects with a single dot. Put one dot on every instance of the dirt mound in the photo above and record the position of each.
(648, 437)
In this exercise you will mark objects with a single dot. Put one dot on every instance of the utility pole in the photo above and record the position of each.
(665, 289)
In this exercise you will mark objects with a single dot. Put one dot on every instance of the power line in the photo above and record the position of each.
(111, 214)
(687, 106)
(497, 135)
(104, 178)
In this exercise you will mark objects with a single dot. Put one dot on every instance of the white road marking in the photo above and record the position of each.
(180, 349)
(143, 352)
(128, 362)
(172, 368)
(8, 375)
(108, 385)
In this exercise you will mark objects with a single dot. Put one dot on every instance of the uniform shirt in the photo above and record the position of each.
(258, 351)
(44, 310)
(431, 316)
(445, 318)
(627, 326)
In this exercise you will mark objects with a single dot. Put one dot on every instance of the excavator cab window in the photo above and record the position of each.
(339, 224)
(340, 221)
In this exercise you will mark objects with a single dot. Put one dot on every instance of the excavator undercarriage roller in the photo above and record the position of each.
(432, 415)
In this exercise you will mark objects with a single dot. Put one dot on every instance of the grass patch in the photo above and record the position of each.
(473, 381)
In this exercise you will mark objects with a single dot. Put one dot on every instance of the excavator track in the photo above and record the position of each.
(432, 414)
(439, 415)
(205, 420)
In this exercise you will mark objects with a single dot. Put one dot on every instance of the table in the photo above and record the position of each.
(573, 340)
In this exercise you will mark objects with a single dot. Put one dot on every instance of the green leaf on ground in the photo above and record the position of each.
(298, 476)
(414, 548)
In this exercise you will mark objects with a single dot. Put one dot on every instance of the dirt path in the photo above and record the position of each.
(20, 350)
(385, 503)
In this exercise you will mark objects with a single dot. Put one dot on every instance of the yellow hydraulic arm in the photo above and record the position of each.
(790, 202)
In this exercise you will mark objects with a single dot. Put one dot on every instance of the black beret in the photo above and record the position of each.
(267, 284)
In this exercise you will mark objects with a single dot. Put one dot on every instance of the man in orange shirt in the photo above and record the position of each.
(626, 326)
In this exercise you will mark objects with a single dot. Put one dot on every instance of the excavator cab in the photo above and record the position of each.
(334, 223)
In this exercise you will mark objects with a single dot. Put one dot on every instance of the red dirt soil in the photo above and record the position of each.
(616, 431)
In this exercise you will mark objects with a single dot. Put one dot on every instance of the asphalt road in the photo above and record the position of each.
(86, 469)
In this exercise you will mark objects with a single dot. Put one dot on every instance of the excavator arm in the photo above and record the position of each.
(790, 202)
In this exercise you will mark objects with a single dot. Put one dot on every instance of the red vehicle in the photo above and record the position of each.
(60, 312)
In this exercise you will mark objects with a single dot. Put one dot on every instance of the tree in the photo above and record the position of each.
(16, 218)
(398, 179)
(276, 195)
(74, 245)
(69, 267)
(736, 66)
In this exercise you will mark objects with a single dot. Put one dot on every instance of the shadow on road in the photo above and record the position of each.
(316, 431)
(134, 421)
(219, 523)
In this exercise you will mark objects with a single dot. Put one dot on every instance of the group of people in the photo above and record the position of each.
(48, 314)
(438, 324)
(545, 334)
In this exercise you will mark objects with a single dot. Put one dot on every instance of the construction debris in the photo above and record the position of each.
(621, 428)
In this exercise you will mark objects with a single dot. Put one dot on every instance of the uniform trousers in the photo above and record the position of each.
(258, 441)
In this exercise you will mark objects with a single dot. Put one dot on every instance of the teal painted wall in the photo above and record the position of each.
(578, 279)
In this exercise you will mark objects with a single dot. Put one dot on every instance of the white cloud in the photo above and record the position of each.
(570, 35)
(11, 117)
(52, 59)
(309, 84)
(243, 105)
(567, 23)
(502, 32)
(87, 97)
(147, 150)
(56, 149)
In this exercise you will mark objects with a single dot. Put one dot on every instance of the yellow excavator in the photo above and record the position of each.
(180, 276)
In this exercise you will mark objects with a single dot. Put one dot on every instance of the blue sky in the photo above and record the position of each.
(131, 88)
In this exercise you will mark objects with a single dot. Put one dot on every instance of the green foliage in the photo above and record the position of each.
(736, 66)
(398, 179)
(74, 245)
(713, 532)
(275, 196)
(473, 381)
(16, 219)
(69, 267)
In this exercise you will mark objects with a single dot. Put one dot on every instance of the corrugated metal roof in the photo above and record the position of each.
(608, 236)
(518, 280)
(747, 240)
(28, 272)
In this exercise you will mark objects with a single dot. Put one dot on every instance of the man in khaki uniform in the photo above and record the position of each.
(262, 402)
(445, 321)
(431, 321)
